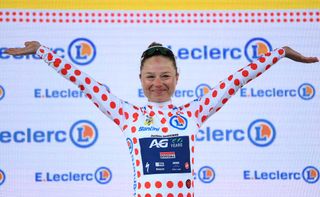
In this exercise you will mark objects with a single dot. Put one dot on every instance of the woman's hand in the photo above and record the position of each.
(295, 56)
(30, 48)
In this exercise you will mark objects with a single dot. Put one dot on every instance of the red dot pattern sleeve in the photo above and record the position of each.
(202, 108)
(110, 105)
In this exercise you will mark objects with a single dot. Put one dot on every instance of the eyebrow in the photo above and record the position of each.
(152, 73)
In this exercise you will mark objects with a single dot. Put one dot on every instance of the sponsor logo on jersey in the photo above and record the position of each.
(179, 122)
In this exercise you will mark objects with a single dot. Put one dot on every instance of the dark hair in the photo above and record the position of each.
(155, 44)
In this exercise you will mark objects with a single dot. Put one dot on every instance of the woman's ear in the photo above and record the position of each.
(140, 76)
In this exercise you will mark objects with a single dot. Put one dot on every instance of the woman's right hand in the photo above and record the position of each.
(30, 48)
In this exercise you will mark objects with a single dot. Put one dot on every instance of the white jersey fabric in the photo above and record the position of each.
(161, 136)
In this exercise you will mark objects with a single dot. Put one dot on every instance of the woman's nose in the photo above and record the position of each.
(157, 81)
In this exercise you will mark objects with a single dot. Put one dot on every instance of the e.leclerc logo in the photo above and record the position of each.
(256, 47)
(305, 91)
(81, 51)
(206, 174)
(252, 50)
(102, 175)
(309, 174)
(82, 134)
(2, 92)
(2, 177)
(260, 132)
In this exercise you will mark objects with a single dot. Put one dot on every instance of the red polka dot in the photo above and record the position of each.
(180, 195)
(222, 85)
(245, 73)
(64, 71)
(77, 72)
(262, 59)
(136, 151)
(72, 78)
(57, 62)
(170, 195)
(196, 113)
(133, 129)
(236, 82)
(268, 66)
(188, 195)
(135, 116)
(87, 80)
(192, 137)
(189, 113)
(203, 118)
(192, 149)
(137, 163)
(81, 87)
(147, 184)
(152, 113)
(224, 100)
(67, 66)
(113, 105)
(138, 174)
(281, 51)
(207, 101)
(158, 184)
(96, 104)
(169, 184)
(268, 54)
(180, 184)
(231, 91)
(126, 115)
(165, 129)
(104, 97)
(50, 56)
(125, 127)
(134, 140)
(96, 89)
(117, 121)
(121, 111)
(147, 195)
(89, 96)
(187, 105)
(214, 93)
(163, 121)
(200, 108)
(158, 195)
(230, 77)
(274, 60)
(253, 66)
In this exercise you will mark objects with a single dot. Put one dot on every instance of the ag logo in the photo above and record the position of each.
(306, 91)
(310, 174)
(206, 174)
(103, 175)
(163, 143)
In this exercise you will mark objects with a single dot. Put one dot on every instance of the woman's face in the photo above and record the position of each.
(158, 78)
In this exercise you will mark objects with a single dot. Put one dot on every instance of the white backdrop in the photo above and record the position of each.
(40, 154)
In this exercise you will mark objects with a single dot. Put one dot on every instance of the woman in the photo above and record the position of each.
(160, 135)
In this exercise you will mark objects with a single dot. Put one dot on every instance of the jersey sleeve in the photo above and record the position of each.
(113, 107)
(202, 108)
